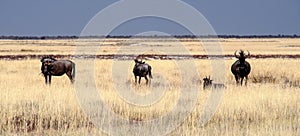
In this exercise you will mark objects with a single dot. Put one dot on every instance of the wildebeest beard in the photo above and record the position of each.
(47, 68)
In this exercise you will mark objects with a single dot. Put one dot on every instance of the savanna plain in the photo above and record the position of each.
(268, 105)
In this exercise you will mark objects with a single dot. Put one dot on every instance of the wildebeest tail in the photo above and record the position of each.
(150, 75)
(73, 71)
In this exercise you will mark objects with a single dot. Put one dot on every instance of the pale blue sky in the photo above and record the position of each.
(68, 17)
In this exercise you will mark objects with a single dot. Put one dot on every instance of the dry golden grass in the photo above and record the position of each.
(259, 109)
(110, 46)
(269, 105)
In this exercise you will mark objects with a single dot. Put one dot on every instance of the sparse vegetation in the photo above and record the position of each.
(268, 105)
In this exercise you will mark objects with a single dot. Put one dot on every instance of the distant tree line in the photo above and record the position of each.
(153, 36)
(259, 36)
(37, 37)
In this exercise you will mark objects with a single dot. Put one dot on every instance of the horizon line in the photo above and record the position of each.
(15, 37)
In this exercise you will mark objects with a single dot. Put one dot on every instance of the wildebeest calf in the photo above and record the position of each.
(207, 84)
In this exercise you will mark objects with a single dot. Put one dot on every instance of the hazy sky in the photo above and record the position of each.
(68, 17)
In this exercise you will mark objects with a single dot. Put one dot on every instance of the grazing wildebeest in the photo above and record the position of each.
(52, 67)
(141, 69)
(207, 83)
(241, 68)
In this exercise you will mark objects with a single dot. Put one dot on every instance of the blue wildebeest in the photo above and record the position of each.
(207, 83)
(241, 68)
(141, 69)
(52, 67)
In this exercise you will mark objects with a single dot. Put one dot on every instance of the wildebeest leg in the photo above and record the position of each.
(135, 79)
(46, 79)
(146, 79)
(246, 80)
(236, 79)
(140, 80)
(242, 78)
(69, 74)
(49, 79)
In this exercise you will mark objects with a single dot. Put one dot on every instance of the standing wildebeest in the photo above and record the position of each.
(241, 68)
(141, 69)
(207, 83)
(52, 67)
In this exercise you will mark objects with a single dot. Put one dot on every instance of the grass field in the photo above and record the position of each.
(110, 46)
(269, 105)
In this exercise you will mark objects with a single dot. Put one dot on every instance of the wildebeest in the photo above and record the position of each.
(207, 83)
(52, 67)
(241, 68)
(141, 69)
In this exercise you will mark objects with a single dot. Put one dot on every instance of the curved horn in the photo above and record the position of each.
(235, 54)
(42, 59)
(248, 54)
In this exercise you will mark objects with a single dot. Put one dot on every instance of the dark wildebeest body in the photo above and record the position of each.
(241, 68)
(52, 67)
(141, 69)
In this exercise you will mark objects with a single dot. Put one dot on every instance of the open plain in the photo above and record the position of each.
(268, 105)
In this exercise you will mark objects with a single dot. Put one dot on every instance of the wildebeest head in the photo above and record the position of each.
(46, 64)
(207, 82)
(138, 62)
(242, 56)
